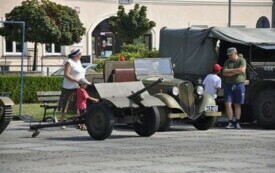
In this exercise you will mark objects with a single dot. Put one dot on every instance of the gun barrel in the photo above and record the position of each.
(134, 95)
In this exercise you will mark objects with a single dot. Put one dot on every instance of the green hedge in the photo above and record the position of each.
(31, 84)
(132, 51)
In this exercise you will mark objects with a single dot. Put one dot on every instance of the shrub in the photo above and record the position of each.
(31, 85)
(132, 51)
(100, 64)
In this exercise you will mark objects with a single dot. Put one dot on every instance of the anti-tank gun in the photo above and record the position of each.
(123, 103)
(137, 97)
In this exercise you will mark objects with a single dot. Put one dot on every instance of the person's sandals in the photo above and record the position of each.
(78, 126)
(83, 127)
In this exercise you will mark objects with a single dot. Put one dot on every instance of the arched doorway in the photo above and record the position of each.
(263, 22)
(104, 42)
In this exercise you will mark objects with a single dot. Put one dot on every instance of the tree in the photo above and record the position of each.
(67, 21)
(132, 25)
(45, 22)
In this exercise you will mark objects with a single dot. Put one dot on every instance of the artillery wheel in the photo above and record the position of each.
(164, 123)
(5, 116)
(264, 109)
(204, 123)
(99, 121)
(148, 122)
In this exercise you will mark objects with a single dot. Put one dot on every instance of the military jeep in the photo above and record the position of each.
(183, 99)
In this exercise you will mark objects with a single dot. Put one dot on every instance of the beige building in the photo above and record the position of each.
(100, 42)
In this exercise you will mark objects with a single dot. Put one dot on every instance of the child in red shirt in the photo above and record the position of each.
(81, 99)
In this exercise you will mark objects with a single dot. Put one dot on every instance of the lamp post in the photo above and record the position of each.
(273, 14)
(22, 59)
(229, 13)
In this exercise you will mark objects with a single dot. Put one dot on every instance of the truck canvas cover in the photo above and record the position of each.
(194, 51)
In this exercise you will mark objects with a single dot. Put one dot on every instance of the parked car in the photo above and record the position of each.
(183, 99)
(89, 67)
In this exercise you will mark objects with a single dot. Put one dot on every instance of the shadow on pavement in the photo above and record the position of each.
(88, 138)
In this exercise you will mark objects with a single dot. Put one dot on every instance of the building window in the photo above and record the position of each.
(52, 49)
(13, 47)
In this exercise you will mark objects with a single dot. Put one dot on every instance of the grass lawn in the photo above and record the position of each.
(35, 111)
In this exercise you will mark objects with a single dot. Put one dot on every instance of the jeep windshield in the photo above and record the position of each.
(153, 66)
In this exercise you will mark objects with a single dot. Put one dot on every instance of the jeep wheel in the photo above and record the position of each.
(164, 124)
(204, 123)
(99, 121)
(5, 116)
(148, 122)
(264, 109)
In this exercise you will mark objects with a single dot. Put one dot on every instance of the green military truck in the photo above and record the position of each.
(193, 52)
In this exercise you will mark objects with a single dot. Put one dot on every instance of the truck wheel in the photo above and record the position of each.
(264, 109)
(99, 121)
(148, 122)
(164, 124)
(5, 116)
(204, 123)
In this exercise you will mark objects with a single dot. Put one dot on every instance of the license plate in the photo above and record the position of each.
(211, 108)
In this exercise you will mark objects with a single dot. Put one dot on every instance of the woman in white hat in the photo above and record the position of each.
(73, 72)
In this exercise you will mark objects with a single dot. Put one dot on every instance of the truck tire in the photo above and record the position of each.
(99, 121)
(264, 108)
(204, 123)
(5, 116)
(148, 122)
(164, 123)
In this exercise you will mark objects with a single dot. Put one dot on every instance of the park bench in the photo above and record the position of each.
(50, 101)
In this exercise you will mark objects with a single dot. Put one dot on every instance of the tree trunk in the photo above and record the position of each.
(34, 66)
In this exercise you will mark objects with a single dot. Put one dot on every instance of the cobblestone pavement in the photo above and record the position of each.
(183, 149)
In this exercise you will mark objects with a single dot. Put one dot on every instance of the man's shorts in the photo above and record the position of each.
(234, 93)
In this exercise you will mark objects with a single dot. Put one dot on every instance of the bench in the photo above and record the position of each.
(50, 101)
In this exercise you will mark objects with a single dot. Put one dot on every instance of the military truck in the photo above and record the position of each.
(194, 51)
(5, 110)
